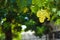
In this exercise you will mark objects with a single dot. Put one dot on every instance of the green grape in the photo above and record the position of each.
(42, 19)
(43, 14)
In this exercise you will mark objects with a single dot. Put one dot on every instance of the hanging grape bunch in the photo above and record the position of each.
(42, 15)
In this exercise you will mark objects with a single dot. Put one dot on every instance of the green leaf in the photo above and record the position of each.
(40, 30)
(30, 23)
(6, 26)
(57, 22)
(23, 3)
(4, 19)
(58, 13)
(34, 9)
(54, 9)
(39, 3)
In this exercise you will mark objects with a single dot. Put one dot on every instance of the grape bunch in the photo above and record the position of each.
(43, 14)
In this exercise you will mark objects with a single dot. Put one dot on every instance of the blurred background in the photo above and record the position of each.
(29, 19)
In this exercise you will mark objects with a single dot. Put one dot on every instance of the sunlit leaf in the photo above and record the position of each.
(58, 13)
(57, 22)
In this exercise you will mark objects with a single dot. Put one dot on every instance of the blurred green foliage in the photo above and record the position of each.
(23, 12)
